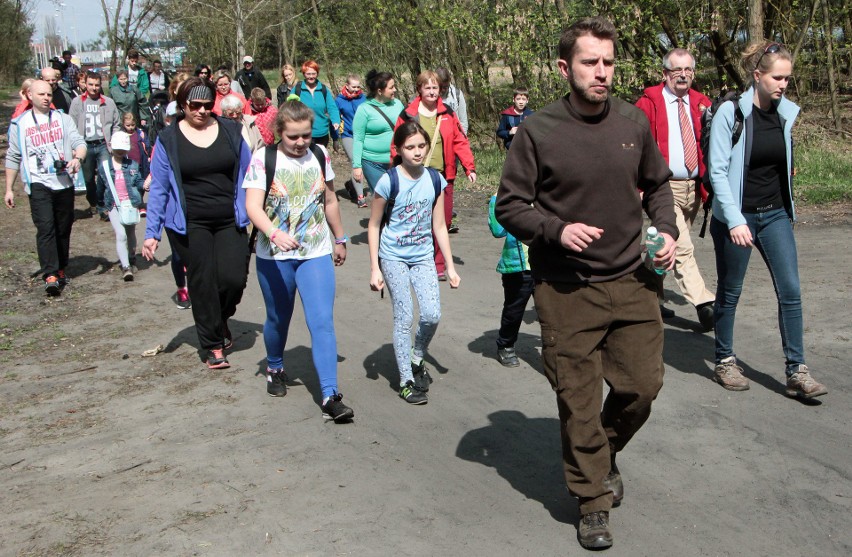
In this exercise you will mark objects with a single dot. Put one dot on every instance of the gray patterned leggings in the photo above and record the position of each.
(400, 277)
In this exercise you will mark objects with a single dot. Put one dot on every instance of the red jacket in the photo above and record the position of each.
(453, 137)
(653, 105)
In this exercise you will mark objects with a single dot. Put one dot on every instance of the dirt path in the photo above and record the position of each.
(109, 453)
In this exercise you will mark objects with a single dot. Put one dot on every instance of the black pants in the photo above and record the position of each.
(517, 289)
(216, 262)
(53, 215)
(321, 140)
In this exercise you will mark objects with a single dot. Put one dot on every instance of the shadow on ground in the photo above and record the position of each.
(527, 453)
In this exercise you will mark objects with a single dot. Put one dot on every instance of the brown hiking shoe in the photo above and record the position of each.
(593, 531)
(802, 385)
(728, 374)
(612, 482)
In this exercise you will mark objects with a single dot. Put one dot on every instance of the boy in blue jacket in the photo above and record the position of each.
(512, 117)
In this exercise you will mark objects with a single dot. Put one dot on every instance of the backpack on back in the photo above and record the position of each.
(271, 155)
(704, 143)
(393, 174)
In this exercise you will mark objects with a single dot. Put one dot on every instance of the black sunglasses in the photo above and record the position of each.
(772, 48)
(198, 105)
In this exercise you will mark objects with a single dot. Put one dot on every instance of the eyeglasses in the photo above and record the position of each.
(198, 105)
(684, 71)
(203, 72)
(772, 48)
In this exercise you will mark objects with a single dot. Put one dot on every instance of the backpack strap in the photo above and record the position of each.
(385, 116)
(320, 155)
(436, 183)
(269, 159)
(393, 174)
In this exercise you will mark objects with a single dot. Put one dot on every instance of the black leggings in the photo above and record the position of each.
(216, 259)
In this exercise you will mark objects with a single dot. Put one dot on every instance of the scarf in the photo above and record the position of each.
(350, 96)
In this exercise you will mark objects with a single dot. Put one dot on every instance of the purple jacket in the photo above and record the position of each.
(166, 201)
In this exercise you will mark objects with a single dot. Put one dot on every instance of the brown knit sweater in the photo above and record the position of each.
(564, 168)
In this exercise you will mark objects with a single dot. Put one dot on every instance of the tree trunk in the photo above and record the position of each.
(326, 60)
(829, 51)
(755, 20)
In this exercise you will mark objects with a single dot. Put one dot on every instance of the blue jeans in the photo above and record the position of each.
(773, 237)
(372, 172)
(95, 154)
(314, 279)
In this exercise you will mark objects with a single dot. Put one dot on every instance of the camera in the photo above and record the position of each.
(59, 166)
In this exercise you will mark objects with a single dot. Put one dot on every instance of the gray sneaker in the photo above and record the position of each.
(802, 385)
(728, 374)
(507, 357)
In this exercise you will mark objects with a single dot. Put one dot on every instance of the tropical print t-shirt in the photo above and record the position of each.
(295, 204)
(408, 235)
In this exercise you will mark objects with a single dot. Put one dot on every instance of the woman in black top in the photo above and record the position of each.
(753, 208)
(196, 193)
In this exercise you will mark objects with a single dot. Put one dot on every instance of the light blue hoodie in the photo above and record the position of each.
(729, 165)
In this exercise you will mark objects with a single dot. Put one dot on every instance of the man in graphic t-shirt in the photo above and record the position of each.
(45, 147)
(96, 118)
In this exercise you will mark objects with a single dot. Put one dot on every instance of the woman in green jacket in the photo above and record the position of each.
(372, 129)
(127, 98)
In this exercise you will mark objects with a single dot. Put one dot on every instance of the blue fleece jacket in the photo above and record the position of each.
(347, 108)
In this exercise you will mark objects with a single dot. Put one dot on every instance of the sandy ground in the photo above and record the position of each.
(105, 452)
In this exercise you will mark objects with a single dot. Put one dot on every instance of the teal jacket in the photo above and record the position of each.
(322, 103)
(514, 257)
(729, 165)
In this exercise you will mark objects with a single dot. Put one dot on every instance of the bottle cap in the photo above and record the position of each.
(652, 231)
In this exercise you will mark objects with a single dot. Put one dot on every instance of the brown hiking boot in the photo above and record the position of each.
(612, 482)
(802, 385)
(593, 531)
(728, 374)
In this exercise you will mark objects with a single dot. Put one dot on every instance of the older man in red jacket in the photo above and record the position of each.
(674, 110)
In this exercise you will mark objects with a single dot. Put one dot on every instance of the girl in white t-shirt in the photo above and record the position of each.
(402, 253)
(297, 251)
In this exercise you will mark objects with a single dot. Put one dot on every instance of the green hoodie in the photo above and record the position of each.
(371, 132)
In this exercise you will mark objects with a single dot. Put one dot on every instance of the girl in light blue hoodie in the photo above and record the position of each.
(753, 208)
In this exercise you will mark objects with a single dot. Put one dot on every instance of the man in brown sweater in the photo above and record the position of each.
(570, 189)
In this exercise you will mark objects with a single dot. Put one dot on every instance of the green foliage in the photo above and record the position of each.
(15, 46)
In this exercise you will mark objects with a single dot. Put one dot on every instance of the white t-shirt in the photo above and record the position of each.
(132, 76)
(43, 142)
(408, 235)
(295, 203)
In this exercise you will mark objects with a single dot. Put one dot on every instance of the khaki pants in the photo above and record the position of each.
(686, 273)
(608, 331)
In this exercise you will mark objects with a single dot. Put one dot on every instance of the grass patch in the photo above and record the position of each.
(823, 173)
(489, 166)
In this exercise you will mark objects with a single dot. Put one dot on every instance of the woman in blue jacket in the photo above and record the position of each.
(196, 192)
(753, 207)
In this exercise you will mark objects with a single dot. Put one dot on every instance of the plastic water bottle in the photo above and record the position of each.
(654, 242)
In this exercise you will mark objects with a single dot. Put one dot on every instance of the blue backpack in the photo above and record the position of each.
(393, 174)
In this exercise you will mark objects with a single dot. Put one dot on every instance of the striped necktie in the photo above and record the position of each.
(690, 151)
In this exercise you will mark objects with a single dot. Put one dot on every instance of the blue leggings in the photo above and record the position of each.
(400, 277)
(314, 279)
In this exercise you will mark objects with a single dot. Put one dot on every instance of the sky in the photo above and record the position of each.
(83, 19)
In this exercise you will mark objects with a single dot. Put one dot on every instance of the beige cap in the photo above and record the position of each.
(248, 59)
